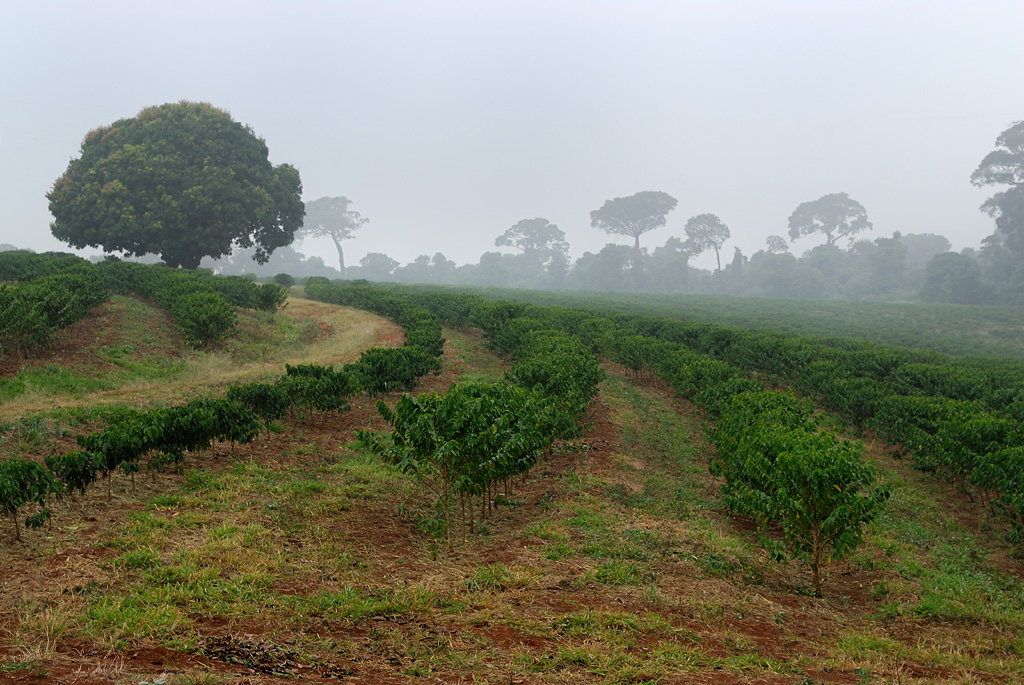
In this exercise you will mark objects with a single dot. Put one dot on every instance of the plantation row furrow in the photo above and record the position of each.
(960, 419)
(780, 469)
(160, 437)
(464, 443)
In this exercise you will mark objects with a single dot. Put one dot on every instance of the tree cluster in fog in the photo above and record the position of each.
(147, 185)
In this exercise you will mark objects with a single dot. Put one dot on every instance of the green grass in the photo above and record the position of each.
(485, 366)
(265, 336)
(49, 381)
(934, 569)
(354, 604)
(500, 577)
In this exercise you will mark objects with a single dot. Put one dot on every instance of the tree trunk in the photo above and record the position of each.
(185, 261)
(636, 242)
(341, 256)
(718, 259)
(817, 548)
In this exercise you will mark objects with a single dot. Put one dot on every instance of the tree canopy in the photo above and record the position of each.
(776, 244)
(180, 180)
(836, 215)
(704, 232)
(1005, 166)
(634, 215)
(953, 278)
(330, 217)
(540, 240)
(377, 266)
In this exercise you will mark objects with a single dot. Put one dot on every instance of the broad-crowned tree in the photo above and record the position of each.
(1005, 166)
(669, 266)
(634, 215)
(921, 247)
(184, 181)
(836, 215)
(330, 217)
(704, 232)
(953, 278)
(377, 266)
(539, 240)
(777, 245)
(617, 268)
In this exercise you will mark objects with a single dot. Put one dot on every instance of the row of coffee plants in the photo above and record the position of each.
(381, 370)
(156, 438)
(783, 472)
(961, 419)
(465, 443)
(33, 312)
(54, 291)
(811, 493)
(203, 306)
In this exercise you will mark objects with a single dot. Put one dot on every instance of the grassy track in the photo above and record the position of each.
(145, 364)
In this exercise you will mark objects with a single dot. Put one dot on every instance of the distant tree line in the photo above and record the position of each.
(186, 182)
(900, 268)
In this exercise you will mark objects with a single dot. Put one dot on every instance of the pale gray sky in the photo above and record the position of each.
(447, 122)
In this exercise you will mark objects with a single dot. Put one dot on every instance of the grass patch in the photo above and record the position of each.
(484, 365)
(50, 381)
(354, 604)
(500, 577)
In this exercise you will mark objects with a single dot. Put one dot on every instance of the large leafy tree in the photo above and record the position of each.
(1005, 166)
(377, 266)
(180, 180)
(617, 268)
(330, 217)
(705, 232)
(540, 241)
(634, 215)
(953, 278)
(836, 215)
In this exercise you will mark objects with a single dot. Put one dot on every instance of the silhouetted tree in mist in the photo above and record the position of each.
(953, 278)
(330, 217)
(704, 232)
(634, 215)
(836, 216)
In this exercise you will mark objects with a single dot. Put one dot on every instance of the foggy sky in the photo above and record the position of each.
(447, 122)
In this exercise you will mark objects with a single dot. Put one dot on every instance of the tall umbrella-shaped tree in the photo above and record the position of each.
(181, 180)
(836, 215)
(634, 215)
(704, 232)
(330, 217)
(539, 240)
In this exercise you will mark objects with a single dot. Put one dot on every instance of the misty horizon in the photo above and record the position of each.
(445, 125)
